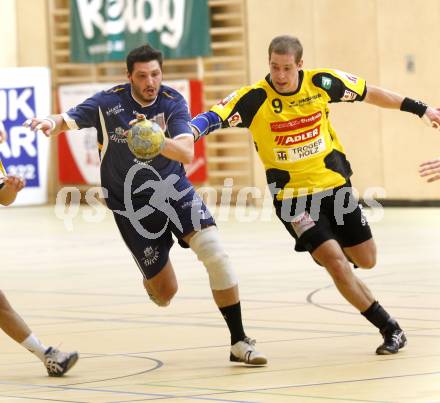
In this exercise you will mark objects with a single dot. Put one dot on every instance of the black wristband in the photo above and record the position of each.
(413, 106)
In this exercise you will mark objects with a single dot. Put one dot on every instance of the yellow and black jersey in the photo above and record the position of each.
(2, 169)
(292, 133)
(2, 173)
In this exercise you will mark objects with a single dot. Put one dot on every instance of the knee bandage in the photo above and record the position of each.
(207, 247)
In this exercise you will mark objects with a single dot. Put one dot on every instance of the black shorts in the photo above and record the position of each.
(150, 238)
(314, 219)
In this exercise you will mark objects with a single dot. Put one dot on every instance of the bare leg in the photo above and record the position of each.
(16, 328)
(11, 322)
(163, 286)
(331, 256)
(362, 255)
(226, 297)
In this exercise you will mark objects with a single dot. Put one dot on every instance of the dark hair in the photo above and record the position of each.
(144, 53)
(286, 44)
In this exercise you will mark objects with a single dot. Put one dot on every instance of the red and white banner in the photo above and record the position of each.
(77, 150)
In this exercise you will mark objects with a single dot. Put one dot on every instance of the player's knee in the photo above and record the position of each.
(166, 295)
(206, 245)
(161, 295)
(366, 261)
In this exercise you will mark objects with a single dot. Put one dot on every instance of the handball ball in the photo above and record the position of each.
(145, 139)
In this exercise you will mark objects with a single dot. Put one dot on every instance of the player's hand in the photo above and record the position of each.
(196, 133)
(432, 117)
(139, 117)
(430, 170)
(45, 125)
(14, 183)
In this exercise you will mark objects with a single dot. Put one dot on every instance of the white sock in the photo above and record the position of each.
(34, 346)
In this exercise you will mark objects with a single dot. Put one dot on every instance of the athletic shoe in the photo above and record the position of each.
(244, 351)
(392, 341)
(58, 363)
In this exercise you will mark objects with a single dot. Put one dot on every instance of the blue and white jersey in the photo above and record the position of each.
(110, 112)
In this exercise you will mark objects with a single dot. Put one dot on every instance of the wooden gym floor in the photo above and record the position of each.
(80, 290)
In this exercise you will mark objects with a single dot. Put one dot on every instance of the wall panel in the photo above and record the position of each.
(8, 34)
(409, 62)
(346, 39)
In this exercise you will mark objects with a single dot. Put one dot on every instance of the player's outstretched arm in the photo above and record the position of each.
(388, 99)
(204, 123)
(50, 125)
(430, 170)
(383, 98)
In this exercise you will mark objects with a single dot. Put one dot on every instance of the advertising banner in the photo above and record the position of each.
(105, 30)
(25, 93)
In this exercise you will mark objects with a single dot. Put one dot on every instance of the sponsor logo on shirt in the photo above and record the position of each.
(151, 255)
(305, 101)
(349, 77)
(302, 222)
(118, 135)
(295, 124)
(235, 120)
(364, 220)
(226, 100)
(326, 83)
(159, 119)
(114, 110)
(300, 152)
(297, 138)
(348, 96)
(281, 155)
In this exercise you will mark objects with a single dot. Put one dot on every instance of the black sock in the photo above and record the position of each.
(379, 317)
(232, 316)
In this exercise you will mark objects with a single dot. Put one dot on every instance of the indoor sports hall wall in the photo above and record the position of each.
(24, 33)
(391, 43)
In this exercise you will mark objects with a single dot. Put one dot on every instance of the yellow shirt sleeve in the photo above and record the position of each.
(339, 85)
(226, 105)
